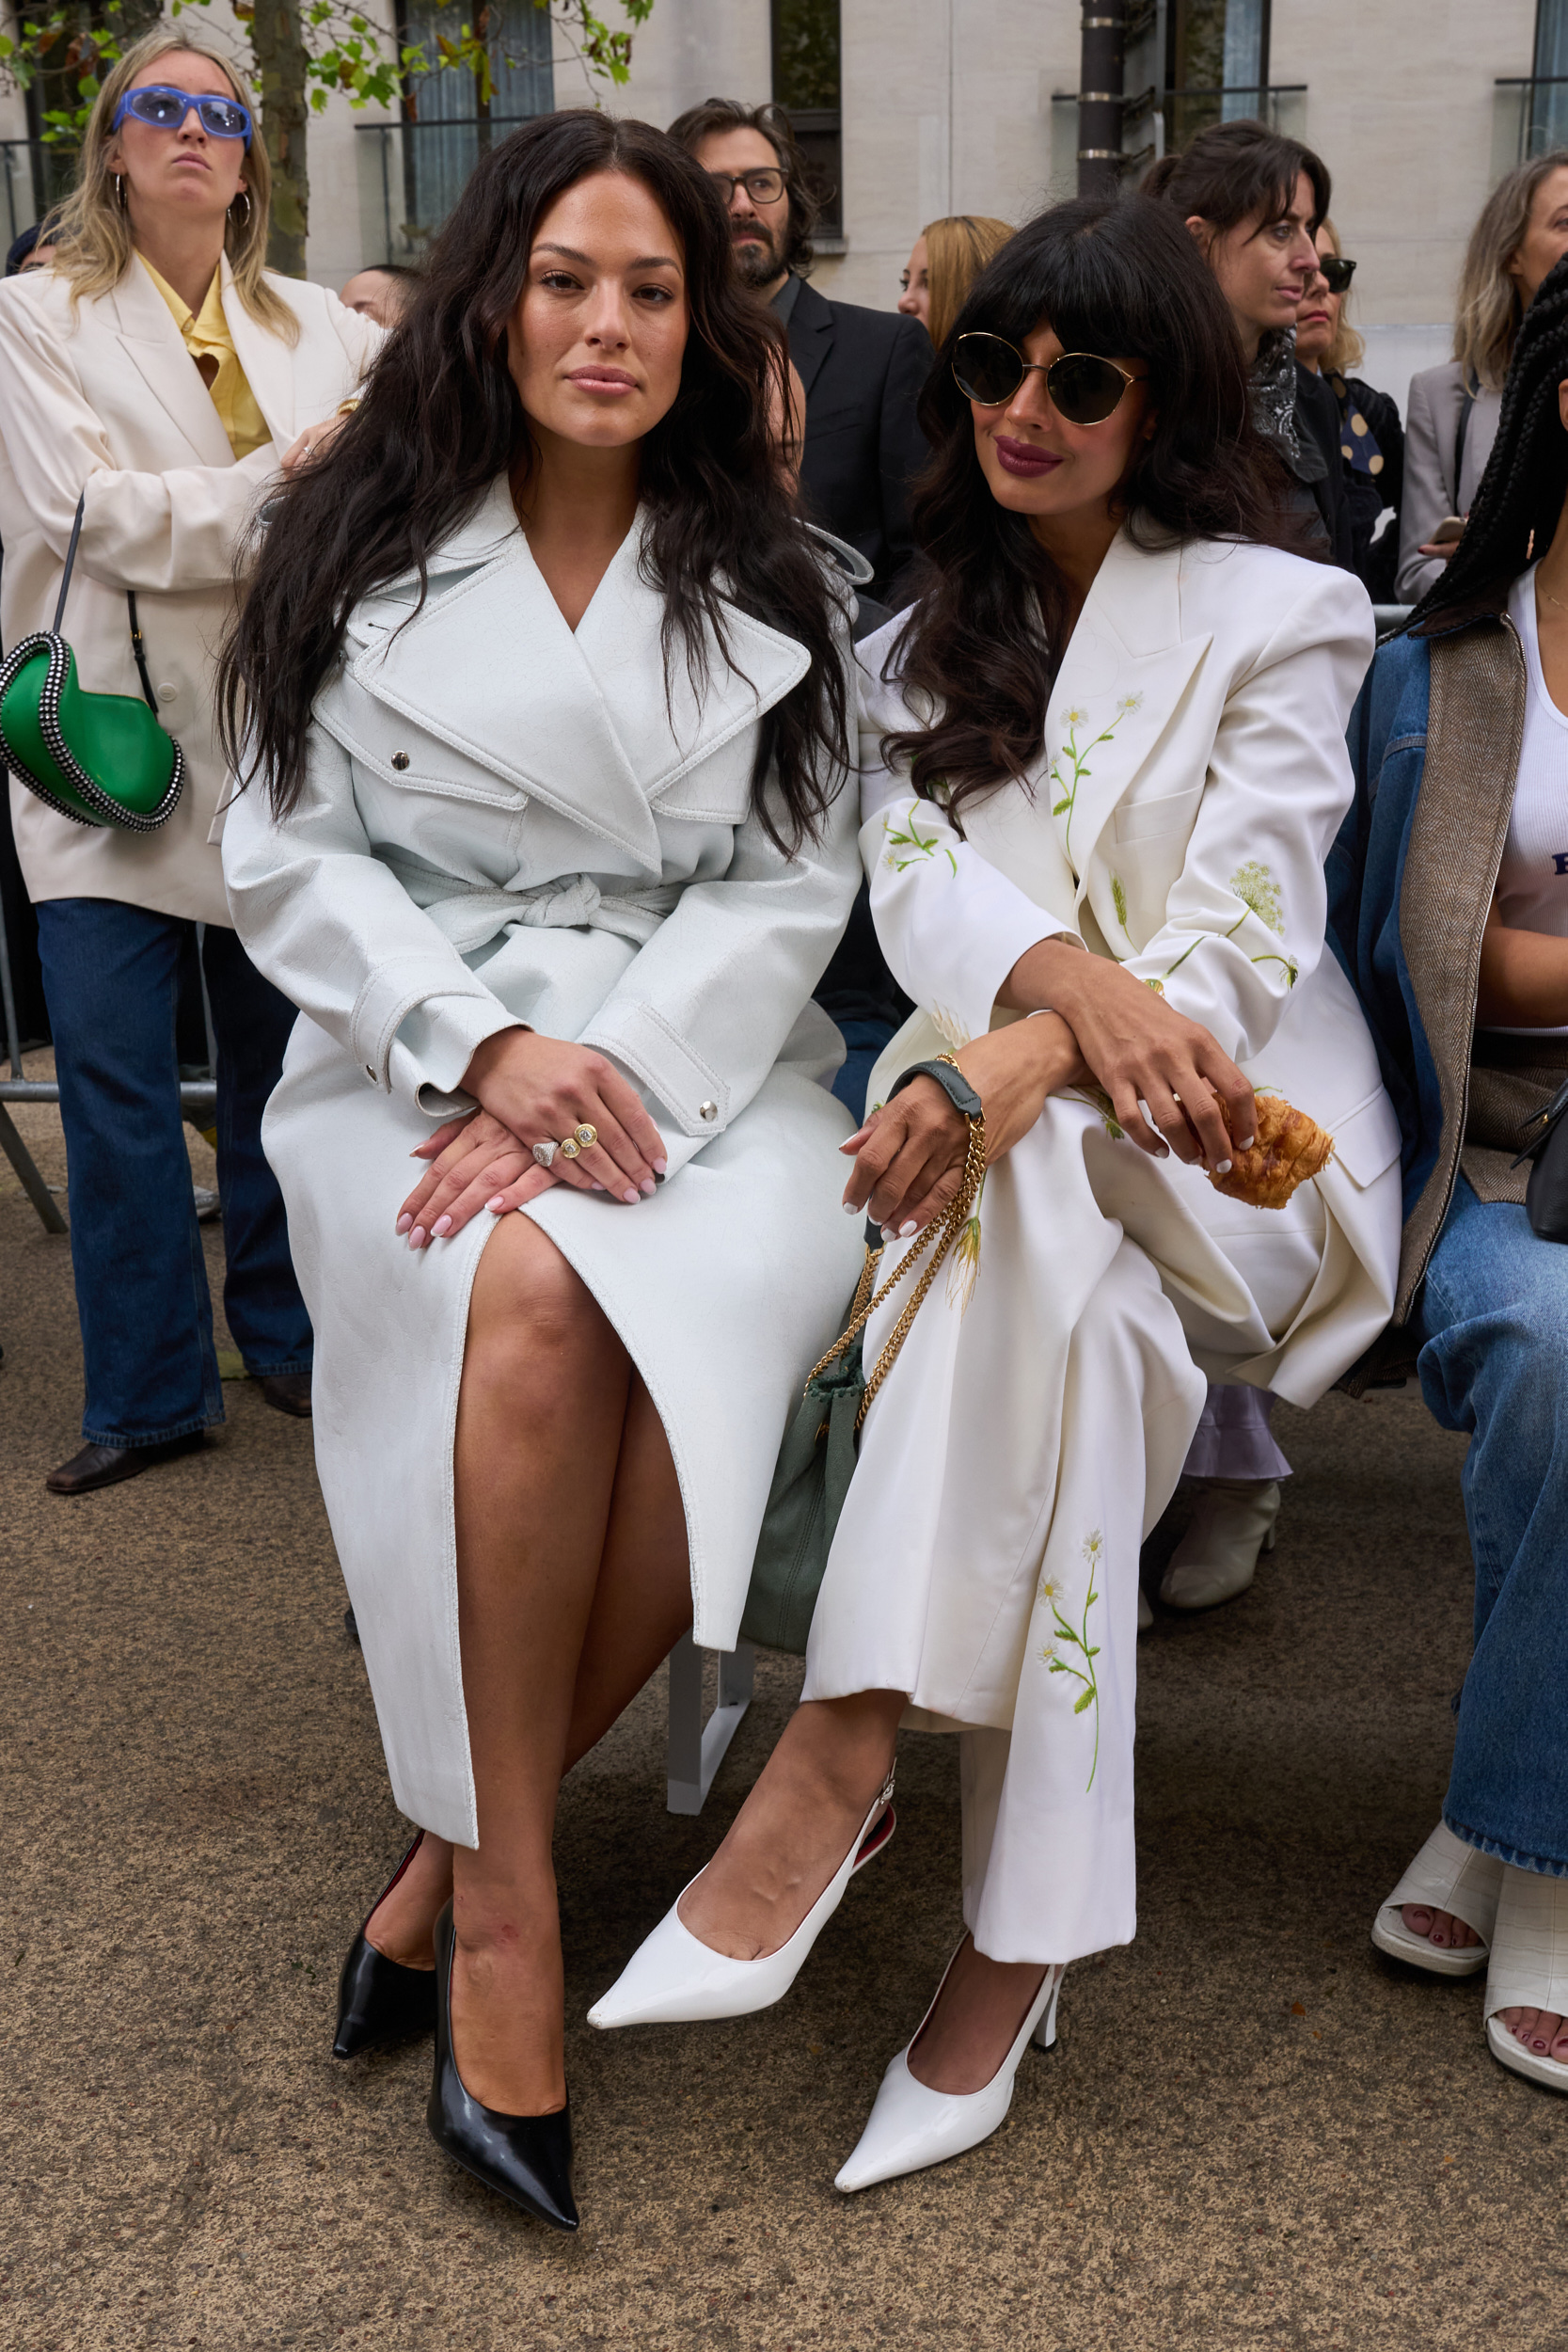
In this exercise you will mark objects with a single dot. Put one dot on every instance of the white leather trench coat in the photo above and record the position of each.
(505, 820)
(102, 396)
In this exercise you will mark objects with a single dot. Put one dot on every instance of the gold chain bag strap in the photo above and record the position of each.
(817, 1460)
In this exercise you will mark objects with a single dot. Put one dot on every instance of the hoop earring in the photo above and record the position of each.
(249, 208)
(1531, 549)
(120, 189)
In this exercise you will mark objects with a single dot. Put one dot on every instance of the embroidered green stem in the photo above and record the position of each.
(913, 842)
(1078, 1639)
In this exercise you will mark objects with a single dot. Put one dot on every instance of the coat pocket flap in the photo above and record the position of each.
(1144, 820)
(1366, 1139)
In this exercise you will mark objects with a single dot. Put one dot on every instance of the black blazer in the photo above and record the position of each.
(862, 371)
(1318, 415)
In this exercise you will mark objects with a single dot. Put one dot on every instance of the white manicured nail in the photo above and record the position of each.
(849, 1209)
(1222, 1168)
(1246, 1143)
(908, 1228)
(633, 1197)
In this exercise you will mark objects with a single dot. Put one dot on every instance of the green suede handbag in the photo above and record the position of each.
(99, 759)
(817, 1460)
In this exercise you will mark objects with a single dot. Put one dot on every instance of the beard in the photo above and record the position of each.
(758, 258)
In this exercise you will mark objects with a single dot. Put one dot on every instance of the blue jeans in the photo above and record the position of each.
(862, 1042)
(111, 974)
(1493, 1319)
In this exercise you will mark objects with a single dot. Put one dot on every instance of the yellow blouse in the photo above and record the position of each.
(207, 335)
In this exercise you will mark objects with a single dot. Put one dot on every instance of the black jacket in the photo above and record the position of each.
(862, 371)
(1368, 494)
(1318, 419)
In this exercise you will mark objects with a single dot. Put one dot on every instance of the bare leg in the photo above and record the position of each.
(980, 2011)
(797, 1825)
(641, 1604)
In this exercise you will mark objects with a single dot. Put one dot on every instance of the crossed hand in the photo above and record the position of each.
(532, 1089)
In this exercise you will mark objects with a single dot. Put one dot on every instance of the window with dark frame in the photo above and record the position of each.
(807, 53)
(446, 125)
(1217, 66)
(1549, 109)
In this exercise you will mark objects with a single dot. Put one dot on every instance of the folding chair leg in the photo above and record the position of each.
(697, 1749)
(33, 1184)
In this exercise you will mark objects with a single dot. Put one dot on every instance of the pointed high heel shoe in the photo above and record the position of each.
(379, 2000)
(525, 2158)
(673, 1979)
(910, 2125)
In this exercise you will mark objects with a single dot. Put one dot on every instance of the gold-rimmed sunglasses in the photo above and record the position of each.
(1084, 387)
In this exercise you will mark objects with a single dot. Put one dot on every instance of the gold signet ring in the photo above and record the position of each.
(586, 1135)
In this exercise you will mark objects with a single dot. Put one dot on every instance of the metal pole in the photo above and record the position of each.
(1100, 98)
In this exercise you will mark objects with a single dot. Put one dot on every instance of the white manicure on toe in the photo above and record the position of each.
(910, 2125)
(673, 1979)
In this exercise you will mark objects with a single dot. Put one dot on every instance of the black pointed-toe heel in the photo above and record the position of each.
(379, 2000)
(524, 2159)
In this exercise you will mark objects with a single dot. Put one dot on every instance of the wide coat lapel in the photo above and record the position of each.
(1117, 694)
(268, 363)
(587, 722)
(154, 347)
(811, 339)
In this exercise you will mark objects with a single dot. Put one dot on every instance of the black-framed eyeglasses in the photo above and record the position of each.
(1336, 272)
(1084, 387)
(165, 108)
(763, 188)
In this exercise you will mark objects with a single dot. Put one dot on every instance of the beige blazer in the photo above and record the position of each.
(106, 398)
(1431, 431)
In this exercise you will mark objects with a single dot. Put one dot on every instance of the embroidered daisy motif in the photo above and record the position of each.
(1074, 1640)
(1128, 701)
(950, 1029)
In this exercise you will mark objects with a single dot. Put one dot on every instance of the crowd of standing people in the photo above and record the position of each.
(940, 769)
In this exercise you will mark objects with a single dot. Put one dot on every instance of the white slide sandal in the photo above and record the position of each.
(1530, 1968)
(1446, 1875)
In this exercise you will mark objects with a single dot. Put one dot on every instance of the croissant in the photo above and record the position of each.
(1288, 1150)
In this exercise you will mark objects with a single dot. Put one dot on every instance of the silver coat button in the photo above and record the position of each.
(707, 1110)
(400, 761)
(369, 1073)
(167, 693)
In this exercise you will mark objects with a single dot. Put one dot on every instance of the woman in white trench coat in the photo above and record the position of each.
(1161, 793)
(547, 698)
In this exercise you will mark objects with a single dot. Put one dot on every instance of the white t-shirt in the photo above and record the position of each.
(1532, 879)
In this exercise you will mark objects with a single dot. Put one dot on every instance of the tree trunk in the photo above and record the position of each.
(280, 53)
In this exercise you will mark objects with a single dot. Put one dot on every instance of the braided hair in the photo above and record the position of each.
(1521, 495)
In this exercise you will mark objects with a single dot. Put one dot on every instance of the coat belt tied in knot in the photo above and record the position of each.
(571, 902)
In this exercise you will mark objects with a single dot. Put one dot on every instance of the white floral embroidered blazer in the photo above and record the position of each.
(1193, 776)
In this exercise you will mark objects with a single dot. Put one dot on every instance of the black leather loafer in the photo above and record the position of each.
(525, 2158)
(286, 1393)
(109, 1465)
(379, 2000)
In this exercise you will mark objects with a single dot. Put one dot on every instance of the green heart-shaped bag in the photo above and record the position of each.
(99, 759)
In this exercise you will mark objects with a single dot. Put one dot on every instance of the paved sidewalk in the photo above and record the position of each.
(1253, 2130)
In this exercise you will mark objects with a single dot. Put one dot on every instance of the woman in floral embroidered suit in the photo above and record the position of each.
(1104, 762)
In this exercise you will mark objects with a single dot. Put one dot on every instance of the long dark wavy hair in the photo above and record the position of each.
(441, 418)
(1119, 275)
(1520, 499)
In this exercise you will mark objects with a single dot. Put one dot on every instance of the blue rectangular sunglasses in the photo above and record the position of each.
(165, 108)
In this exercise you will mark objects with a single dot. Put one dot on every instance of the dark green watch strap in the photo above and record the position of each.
(952, 1082)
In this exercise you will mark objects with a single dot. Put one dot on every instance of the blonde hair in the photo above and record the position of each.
(1348, 349)
(1488, 309)
(91, 232)
(957, 250)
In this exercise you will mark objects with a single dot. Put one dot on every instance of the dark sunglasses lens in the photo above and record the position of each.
(1337, 272)
(1082, 389)
(987, 369)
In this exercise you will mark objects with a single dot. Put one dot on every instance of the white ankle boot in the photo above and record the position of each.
(1218, 1557)
(910, 2125)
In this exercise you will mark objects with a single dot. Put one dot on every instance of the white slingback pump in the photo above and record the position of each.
(910, 2125)
(673, 1979)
